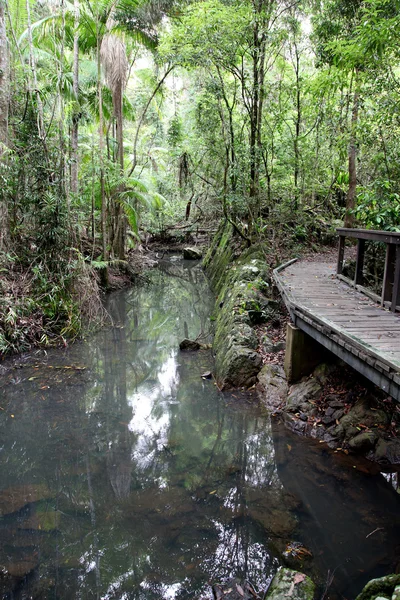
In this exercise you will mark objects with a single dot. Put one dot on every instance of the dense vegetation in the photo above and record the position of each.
(128, 117)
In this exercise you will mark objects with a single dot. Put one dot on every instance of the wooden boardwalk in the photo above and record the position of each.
(344, 320)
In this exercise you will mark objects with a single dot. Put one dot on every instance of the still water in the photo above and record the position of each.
(124, 474)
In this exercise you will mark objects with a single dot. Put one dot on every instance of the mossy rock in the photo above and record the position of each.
(241, 302)
(384, 587)
(290, 584)
(237, 367)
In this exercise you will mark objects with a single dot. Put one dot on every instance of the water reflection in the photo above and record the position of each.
(125, 475)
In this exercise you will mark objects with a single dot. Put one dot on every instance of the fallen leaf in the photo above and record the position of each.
(240, 589)
(213, 492)
(299, 577)
(289, 447)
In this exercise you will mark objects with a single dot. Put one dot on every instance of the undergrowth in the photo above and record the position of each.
(46, 301)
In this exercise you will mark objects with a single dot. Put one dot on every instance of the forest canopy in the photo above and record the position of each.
(124, 118)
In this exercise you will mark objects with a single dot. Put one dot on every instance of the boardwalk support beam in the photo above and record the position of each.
(302, 354)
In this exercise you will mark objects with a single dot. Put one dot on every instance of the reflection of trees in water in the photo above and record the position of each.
(155, 497)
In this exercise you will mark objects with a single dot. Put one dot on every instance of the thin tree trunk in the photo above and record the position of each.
(32, 62)
(75, 116)
(351, 194)
(104, 273)
(4, 100)
(134, 161)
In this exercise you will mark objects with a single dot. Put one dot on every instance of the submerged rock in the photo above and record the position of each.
(235, 589)
(16, 497)
(192, 254)
(187, 344)
(290, 584)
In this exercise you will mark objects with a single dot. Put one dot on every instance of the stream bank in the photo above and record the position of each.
(333, 405)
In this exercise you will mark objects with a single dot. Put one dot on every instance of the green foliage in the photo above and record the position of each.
(378, 206)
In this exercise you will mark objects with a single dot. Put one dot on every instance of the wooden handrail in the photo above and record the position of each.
(391, 278)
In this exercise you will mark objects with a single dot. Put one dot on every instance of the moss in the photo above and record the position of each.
(289, 583)
(384, 587)
(240, 285)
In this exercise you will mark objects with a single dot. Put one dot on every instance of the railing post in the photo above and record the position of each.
(339, 269)
(396, 283)
(358, 277)
(388, 277)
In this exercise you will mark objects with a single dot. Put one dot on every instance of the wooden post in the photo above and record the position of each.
(339, 269)
(388, 278)
(396, 283)
(358, 277)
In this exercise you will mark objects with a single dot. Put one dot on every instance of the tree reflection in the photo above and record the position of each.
(145, 482)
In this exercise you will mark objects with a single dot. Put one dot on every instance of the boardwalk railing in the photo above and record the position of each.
(391, 277)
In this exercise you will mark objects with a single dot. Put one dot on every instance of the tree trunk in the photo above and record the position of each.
(120, 217)
(104, 273)
(351, 194)
(4, 83)
(4, 100)
(75, 117)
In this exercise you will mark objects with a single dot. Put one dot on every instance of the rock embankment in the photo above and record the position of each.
(242, 285)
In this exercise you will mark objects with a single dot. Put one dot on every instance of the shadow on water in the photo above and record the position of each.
(126, 475)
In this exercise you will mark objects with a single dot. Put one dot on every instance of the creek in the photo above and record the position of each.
(124, 474)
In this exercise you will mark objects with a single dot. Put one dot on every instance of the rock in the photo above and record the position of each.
(20, 568)
(267, 344)
(44, 521)
(387, 451)
(396, 593)
(290, 584)
(301, 392)
(384, 586)
(237, 367)
(272, 385)
(192, 254)
(279, 346)
(363, 413)
(334, 401)
(193, 345)
(243, 335)
(323, 371)
(338, 414)
(14, 498)
(363, 442)
(272, 511)
(234, 589)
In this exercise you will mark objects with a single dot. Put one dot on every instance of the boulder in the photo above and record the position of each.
(290, 584)
(237, 367)
(193, 345)
(192, 253)
(301, 393)
(384, 586)
(387, 451)
(363, 442)
(272, 385)
(363, 413)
